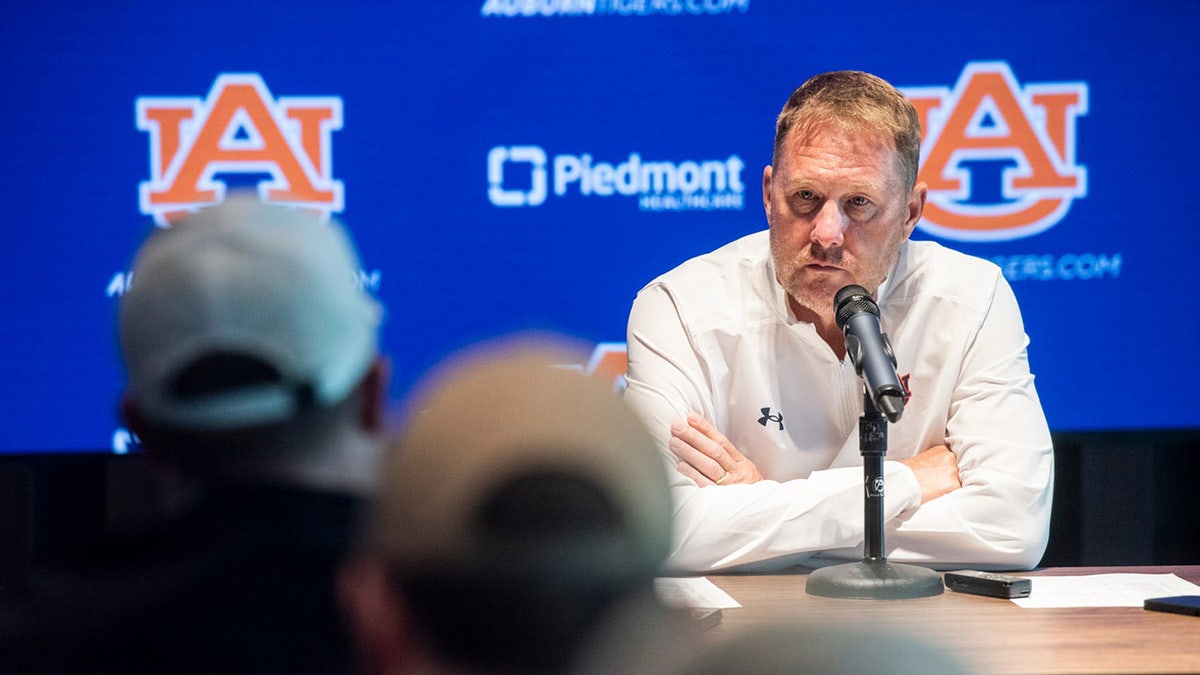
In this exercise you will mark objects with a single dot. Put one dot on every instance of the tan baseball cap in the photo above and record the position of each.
(501, 412)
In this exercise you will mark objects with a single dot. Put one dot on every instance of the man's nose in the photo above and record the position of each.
(829, 225)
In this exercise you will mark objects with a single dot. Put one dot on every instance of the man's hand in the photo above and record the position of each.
(936, 470)
(706, 456)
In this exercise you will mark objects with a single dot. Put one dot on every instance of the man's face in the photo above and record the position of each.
(838, 211)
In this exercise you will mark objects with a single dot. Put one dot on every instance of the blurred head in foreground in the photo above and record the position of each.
(250, 347)
(521, 505)
(253, 370)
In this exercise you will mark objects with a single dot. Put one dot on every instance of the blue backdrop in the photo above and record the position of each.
(512, 164)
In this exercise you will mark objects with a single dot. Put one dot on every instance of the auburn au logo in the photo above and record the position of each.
(999, 158)
(609, 363)
(239, 129)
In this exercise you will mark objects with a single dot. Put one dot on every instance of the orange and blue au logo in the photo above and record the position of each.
(239, 132)
(998, 157)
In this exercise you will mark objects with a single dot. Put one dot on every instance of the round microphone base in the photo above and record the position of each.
(874, 580)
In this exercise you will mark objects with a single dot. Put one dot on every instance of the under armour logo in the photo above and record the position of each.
(768, 417)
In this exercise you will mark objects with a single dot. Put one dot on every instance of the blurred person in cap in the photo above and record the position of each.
(252, 350)
(522, 515)
(254, 373)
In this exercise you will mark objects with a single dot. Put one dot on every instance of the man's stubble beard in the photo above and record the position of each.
(813, 295)
(817, 297)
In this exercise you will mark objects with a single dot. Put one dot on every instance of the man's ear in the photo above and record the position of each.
(373, 390)
(916, 207)
(766, 190)
(136, 422)
(373, 615)
(131, 413)
(148, 438)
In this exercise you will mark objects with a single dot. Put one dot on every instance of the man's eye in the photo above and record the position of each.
(859, 201)
(806, 195)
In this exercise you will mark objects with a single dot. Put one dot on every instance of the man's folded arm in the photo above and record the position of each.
(1000, 518)
(766, 525)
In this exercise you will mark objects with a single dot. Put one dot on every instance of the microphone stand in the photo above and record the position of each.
(874, 578)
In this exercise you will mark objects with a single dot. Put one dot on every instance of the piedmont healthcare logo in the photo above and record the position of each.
(998, 157)
(552, 8)
(526, 176)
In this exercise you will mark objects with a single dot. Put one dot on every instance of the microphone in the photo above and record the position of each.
(857, 316)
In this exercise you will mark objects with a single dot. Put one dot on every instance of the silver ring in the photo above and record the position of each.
(721, 479)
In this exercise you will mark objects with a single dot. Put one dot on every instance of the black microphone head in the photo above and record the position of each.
(851, 300)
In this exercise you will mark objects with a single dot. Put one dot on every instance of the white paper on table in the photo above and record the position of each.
(1103, 590)
(693, 592)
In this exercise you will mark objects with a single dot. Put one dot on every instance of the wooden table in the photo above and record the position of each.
(992, 635)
